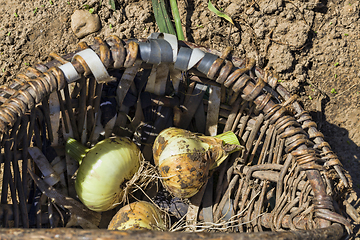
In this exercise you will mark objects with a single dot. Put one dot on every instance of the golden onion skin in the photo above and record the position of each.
(103, 171)
(138, 216)
(184, 160)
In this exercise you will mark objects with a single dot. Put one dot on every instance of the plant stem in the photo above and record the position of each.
(176, 16)
(229, 138)
(75, 149)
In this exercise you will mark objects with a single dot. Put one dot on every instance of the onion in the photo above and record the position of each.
(138, 216)
(104, 170)
(184, 158)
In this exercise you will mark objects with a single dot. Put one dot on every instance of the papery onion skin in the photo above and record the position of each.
(184, 175)
(184, 160)
(138, 216)
(100, 179)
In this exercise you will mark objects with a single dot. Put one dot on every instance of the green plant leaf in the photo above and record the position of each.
(220, 14)
(112, 3)
(176, 16)
(162, 17)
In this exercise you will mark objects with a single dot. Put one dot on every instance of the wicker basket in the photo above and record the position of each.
(287, 177)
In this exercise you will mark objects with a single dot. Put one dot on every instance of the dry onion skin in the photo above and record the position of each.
(138, 216)
(184, 158)
(103, 170)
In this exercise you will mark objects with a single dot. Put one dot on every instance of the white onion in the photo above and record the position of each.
(184, 159)
(103, 170)
(138, 216)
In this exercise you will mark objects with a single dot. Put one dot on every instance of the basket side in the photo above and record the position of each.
(252, 104)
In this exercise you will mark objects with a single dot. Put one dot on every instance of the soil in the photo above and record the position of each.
(312, 45)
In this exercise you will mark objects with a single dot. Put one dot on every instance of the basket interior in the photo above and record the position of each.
(286, 178)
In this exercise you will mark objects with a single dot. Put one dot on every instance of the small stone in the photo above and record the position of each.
(84, 23)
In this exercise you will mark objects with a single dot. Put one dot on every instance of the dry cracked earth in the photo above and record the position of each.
(313, 45)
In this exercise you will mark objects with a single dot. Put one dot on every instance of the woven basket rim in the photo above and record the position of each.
(22, 95)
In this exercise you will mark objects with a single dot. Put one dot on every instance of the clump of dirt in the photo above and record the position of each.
(312, 45)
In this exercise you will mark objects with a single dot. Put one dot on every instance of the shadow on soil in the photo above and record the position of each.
(347, 151)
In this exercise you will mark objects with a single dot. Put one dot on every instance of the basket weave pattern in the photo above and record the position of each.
(286, 178)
